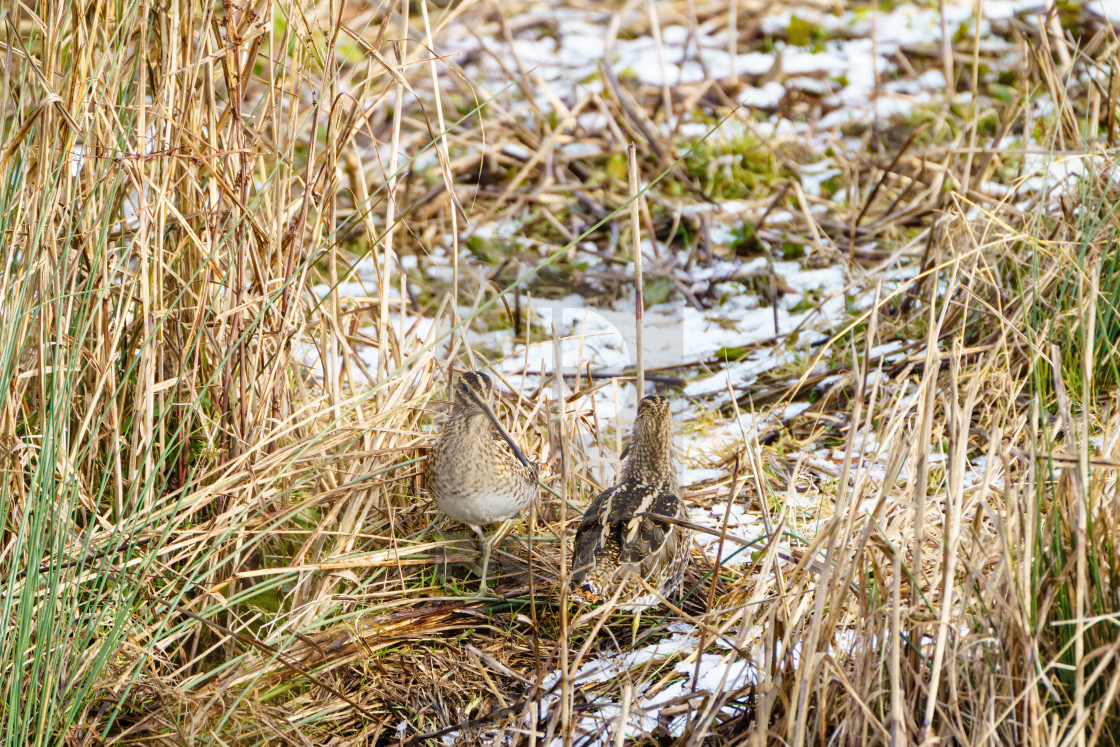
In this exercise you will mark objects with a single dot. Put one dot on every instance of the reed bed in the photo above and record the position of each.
(213, 524)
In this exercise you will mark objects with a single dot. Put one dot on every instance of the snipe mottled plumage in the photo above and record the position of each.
(476, 473)
(618, 541)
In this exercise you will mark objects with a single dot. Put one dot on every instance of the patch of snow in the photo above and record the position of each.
(717, 673)
(693, 475)
(1107, 9)
(740, 522)
(767, 97)
(814, 175)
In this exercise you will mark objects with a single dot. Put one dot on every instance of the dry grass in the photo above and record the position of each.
(202, 542)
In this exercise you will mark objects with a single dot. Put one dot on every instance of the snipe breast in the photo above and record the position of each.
(620, 540)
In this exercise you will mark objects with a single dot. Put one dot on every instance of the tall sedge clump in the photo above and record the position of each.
(1073, 579)
(172, 188)
(151, 288)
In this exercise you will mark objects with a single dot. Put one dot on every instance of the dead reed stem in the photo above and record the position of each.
(636, 243)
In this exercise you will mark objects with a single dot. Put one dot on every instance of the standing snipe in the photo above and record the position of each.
(618, 540)
(476, 472)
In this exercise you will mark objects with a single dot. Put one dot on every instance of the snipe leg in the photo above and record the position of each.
(487, 544)
(483, 589)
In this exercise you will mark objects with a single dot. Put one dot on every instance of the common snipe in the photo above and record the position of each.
(620, 540)
(476, 472)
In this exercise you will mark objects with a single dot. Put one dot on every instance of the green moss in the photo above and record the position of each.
(737, 168)
(655, 292)
(732, 353)
(487, 250)
(988, 124)
(832, 185)
(628, 75)
(802, 33)
(1044, 129)
(1001, 92)
(594, 77)
(792, 250)
(745, 241)
(962, 34)
(617, 167)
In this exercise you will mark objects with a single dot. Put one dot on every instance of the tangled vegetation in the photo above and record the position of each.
(246, 246)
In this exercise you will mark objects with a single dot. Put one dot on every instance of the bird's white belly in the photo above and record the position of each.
(480, 508)
(479, 496)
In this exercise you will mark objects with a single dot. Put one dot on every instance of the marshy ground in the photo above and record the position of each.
(247, 247)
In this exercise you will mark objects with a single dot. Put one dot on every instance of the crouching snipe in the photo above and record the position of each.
(476, 473)
(622, 547)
